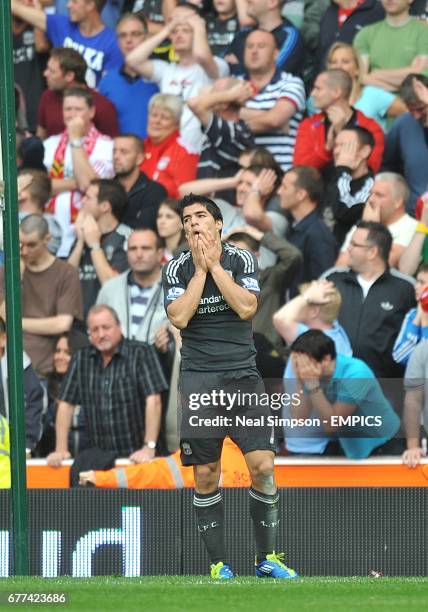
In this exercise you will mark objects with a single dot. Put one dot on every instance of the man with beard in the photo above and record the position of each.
(144, 195)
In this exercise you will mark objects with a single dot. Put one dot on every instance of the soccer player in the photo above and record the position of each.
(211, 296)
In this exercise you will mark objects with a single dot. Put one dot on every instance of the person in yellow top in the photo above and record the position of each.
(4, 453)
(168, 473)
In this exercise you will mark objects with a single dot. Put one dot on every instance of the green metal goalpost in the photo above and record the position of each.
(9, 205)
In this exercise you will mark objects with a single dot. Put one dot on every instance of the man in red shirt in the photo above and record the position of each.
(67, 68)
(317, 134)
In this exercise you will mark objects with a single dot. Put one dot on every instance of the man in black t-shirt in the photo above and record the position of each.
(222, 25)
(211, 296)
(351, 181)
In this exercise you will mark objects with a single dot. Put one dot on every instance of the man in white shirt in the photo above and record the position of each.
(73, 159)
(387, 205)
(196, 68)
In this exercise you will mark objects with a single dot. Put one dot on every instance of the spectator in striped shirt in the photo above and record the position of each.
(275, 111)
(226, 136)
(136, 294)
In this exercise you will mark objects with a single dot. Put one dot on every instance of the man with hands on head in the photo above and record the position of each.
(226, 135)
(316, 307)
(117, 382)
(82, 29)
(196, 68)
(211, 296)
(338, 386)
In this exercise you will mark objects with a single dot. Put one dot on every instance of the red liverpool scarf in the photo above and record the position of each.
(57, 169)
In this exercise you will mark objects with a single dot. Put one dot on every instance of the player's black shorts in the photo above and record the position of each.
(219, 404)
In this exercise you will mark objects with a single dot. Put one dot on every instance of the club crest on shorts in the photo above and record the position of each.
(186, 448)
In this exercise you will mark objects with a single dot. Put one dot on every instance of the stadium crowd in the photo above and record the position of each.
(306, 121)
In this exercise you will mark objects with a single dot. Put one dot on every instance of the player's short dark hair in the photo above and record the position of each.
(309, 179)
(79, 92)
(112, 192)
(252, 244)
(315, 344)
(379, 236)
(209, 205)
(407, 92)
(365, 137)
(70, 60)
(2, 326)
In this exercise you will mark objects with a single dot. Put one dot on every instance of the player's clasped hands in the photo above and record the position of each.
(211, 247)
(206, 250)
(197, 252)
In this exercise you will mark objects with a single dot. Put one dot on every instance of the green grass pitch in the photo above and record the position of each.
(199, 593)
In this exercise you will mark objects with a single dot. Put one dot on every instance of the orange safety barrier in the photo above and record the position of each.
(289, 472)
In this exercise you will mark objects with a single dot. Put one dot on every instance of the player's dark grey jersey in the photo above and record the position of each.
(215, 338)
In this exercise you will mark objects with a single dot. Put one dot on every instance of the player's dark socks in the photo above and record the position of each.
(210, 516)
(264, 510)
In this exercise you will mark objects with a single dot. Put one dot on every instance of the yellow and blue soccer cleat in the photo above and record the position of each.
(273, 567)
(221, 571)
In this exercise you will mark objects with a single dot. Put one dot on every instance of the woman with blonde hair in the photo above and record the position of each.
(373, 101)
(166, 158)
